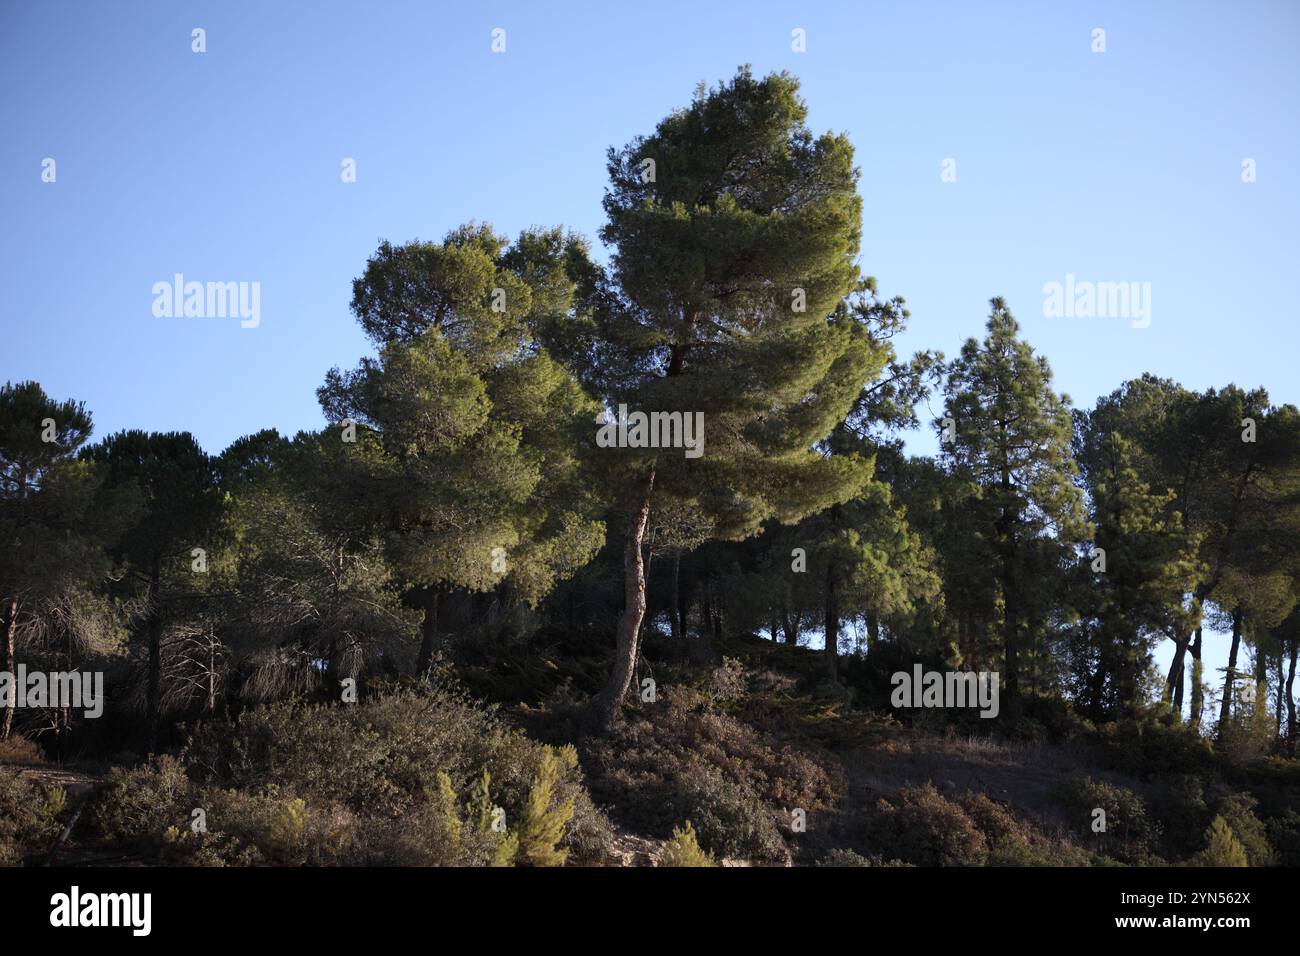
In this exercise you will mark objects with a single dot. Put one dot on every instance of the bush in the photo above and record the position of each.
(400, 779)
(1183, 810)
(1010, 842)
(727, 683)
(1222, 848)
(1238, 811)
(733, 822)
(684, 850)
(20, 750)
(1130, 834)
(919, 826)
(29, 818)
(380, 756)
(544, 817)
(138, 806)
(1284, 834)
(845, 857)
(691, 762)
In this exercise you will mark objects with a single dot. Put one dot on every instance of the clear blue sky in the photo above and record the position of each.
(225, 166)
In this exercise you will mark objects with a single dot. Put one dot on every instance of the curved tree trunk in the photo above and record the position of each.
(1175, 668)
(1290, 694)
(607, 704)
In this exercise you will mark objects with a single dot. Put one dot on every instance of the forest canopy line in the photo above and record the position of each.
(608, 500)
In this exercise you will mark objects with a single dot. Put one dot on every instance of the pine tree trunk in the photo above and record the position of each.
(11, 665)
(832, 624)
(1225, 707)
(1173, 681)
(607, 705)
(1011, 637)
(1180, 681)
(1281, 685)
(1198, 693)
(428, 629)
(675, 595)
(1290, 694)
(1097, 691)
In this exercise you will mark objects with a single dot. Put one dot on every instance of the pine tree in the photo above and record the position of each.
(54, 518)
(478, 424)
(1138, 575)
(182, 506)
(870, 562)
(734, 232)
(1233, 464)
(1008, 438)
(301, 568)
(861, 558)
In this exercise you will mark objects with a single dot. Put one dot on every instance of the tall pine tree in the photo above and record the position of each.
(1007, 435)
(734, 233)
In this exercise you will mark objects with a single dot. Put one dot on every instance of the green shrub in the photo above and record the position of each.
(544, 819)
(1284, 835)
(1182, 808)
(1222, 848)
(498, 847)
(731, 819)
(684, 850)
(1130, 835)
(1238, 811)
(289, 824)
